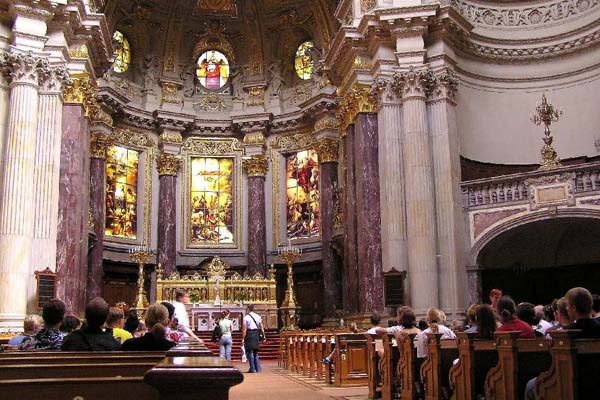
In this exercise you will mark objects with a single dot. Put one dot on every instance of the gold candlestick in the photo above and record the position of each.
(547, 114)
(140, 254)
(289, 254)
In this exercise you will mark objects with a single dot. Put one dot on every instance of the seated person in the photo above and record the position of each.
(526, 313)
(435, 319)
(69, 324)
(579, 307)
(31, 325)
(131, 323)
(91, 337)
(171, 332)
(50, 337)
(157, 319)
(375, 321)
(510, 322)
(115, 322)
(393, 329)
(330, 359)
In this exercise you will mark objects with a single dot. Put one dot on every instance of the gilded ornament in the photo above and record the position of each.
(256, 96)
(102, 116)
(168, 164)
(79, 52)
(81, 90)
(360, 99)
(294, 141)
(327, 122)
(328, 150)
(170, 137)
(99, 144)
(256, 166)
(547, 114)
(362, 63)
(170, 92)
(255, 138)
(132, 138)
(211, 147)
(211, 102)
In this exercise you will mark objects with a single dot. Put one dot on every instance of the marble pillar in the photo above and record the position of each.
(16, 188)
(474, 284)
(73, 210)
(368, 214)
(168, 165)
(328, 159)
(99, 146)
(391, 183)
(256, 168)
(448, 200)
(350, 268)
(419, 193)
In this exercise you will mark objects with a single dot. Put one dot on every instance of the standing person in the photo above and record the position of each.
(181, 298)
(50, 337)
(226, 341)
(251, 327)
(494, 296)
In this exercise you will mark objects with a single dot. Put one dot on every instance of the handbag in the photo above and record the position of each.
(261, 331)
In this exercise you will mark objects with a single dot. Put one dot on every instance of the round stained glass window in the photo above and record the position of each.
(213, 69)
(303, 62)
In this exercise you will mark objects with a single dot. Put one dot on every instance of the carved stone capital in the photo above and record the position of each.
(328, 150)
(51, 79)
(99, 144)
(359, 99)
(168, 164)
(443, 86)
(81, 90)
(256, 166)
(385, 91)
(412, 83)
(23, 68)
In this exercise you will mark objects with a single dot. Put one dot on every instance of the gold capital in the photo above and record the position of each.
(360, 99)
(81, 90)
(99, 144)
(167, 164)
(256, 166)
(328, 149)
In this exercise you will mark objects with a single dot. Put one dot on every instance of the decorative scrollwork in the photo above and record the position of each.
(256, 166)
(211, 147)
(168, 164)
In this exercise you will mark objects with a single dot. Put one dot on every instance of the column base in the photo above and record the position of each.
(11, 324)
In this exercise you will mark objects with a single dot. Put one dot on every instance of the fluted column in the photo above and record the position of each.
(328, 149)
(391, 179)
(449, 213)
(256, 168)
(16, 193)
(350, 267)
(168, 165)
(100, 143)
(419, 189)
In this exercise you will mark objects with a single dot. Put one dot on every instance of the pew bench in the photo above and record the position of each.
(435, 370)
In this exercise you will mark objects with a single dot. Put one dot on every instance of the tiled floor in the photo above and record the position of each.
(275, 383)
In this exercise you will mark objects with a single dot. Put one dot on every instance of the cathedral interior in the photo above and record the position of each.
(415, 152)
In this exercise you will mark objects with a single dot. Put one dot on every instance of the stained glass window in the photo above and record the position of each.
(302, 177)
(304, 63)
(122, 53)
(212, 200)
(121, 192)
(213, 69)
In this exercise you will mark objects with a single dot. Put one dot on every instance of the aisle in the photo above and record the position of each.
(274, 384)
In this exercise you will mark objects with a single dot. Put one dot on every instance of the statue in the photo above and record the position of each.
(188, 76)
(150, 67)
(275, 79)
(237, 82)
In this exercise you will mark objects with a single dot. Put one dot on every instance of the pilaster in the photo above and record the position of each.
(256, 169)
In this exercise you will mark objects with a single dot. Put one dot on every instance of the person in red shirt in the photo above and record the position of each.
(507, 311)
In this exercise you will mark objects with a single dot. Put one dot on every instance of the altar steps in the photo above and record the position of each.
(268, 349)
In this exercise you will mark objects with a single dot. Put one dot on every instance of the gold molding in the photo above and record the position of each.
(79, 52)
(135, 139)
(256, 166)
(328, 150)
(167, 164)
(99, 144)
(327, 122)
(170, 137)
(80, 89)
(359, 99)
(169, 93)
(255, 138)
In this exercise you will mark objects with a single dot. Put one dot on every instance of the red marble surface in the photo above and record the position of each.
(257, 232)
(167, 225)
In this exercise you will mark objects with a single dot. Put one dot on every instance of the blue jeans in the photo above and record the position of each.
(254, 361)
(225, 347)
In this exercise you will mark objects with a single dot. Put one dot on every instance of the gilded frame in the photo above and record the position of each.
(141, 142)
(279, 148)
(212, 148)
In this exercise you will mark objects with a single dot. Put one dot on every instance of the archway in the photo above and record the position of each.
(540, 260)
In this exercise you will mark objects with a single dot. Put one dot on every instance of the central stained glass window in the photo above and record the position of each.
(211, 200)
(302, 177)
(121, 192)
(213, 69)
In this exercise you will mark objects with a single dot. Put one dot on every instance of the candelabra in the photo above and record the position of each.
(289, 254)
(547, 114)
(140, 254)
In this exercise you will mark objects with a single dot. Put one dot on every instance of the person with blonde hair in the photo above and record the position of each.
(157, 320)
(31, 325)
(115, 322)
(435, 319)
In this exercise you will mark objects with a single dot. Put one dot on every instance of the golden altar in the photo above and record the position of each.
(211, 293)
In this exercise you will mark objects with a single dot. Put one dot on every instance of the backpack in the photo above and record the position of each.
(216, 334)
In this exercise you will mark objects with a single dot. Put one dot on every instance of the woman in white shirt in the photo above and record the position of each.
(225, 342)
(435, 319)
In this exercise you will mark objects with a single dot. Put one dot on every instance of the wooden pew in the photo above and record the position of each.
(56, 357)
(374, 384)
(407, 371)
(476, 358)
(574, 370)
(388, 366)
(305, 356)
(282, 358)
(319, 355)
(68, 370)
(519, 360)
(350, 359)
(436, 367)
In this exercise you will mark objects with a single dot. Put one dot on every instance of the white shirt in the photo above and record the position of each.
(225, 325)
(543, 326)
(372, 330)
(181, 314)
(422, 339)
(250, 324)
(393, 329)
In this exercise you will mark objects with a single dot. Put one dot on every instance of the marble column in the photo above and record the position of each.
(419, 192)
(391, 181)
(99, 145)
(368, 214)
(168, 165)
(474, 285)
(350, 268)
(256, 168)
(448, 200)
(16, 191)
(328, 149)
(73, 210)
